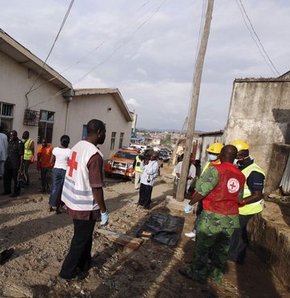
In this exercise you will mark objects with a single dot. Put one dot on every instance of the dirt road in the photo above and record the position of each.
(41, 240)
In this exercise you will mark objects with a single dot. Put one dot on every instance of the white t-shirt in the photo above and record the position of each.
(191, 173)
(61, 157)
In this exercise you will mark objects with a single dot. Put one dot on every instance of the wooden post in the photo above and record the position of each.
(194, 102)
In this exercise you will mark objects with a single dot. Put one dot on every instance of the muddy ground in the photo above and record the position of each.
(41, 240)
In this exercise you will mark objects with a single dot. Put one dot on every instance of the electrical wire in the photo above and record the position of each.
(122, 45)
(52, 47)
(91, 51)
(105, 60)
(255, 37)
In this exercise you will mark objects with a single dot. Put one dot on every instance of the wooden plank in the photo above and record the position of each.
(121, 239)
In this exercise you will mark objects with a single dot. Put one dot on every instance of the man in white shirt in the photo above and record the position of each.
(191, 173)
(150, 172)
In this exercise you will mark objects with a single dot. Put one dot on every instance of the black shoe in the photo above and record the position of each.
(80, 276)
(14, 195)
(188, 274)
(6, 255)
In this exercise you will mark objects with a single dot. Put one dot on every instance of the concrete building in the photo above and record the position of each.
(107, 105)
(36, 98)
(260, 114)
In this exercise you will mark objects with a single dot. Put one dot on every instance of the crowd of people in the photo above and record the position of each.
(16, 157)
(228, 193)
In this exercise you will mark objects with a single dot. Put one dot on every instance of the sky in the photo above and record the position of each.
(147, 49)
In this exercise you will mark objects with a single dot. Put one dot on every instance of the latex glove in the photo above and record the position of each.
(188, 209)
(104, 218)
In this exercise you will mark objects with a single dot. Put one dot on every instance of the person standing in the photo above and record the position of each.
(60, 157)
(213, 152)
(44, 156)
(13, 164)
(252, 202)
(150, 172)
(84, 198)
(3, 150)
(220, 187)
(138, 170)
(28, 157)
(191, 173)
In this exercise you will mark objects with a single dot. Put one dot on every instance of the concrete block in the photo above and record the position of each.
(172, 203)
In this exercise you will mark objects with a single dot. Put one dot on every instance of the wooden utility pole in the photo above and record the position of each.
(194, 102)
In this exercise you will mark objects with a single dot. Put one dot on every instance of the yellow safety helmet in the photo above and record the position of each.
(240, 145)
(215, 148)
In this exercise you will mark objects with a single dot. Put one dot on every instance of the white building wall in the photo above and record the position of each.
(15, 81)
(102, 107)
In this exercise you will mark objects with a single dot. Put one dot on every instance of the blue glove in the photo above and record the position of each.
(104, 218)
(188, 209)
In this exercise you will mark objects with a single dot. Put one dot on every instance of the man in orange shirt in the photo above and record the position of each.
(44, 164)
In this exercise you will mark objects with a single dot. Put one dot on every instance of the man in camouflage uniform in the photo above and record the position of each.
(219, 187)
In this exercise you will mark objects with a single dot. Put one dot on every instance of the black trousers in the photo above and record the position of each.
(26, 164)
(239, 240)
(79, 255)
(45, 176)
(9, 175)
(145, 193)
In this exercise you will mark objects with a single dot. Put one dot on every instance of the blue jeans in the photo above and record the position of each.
(58, 176)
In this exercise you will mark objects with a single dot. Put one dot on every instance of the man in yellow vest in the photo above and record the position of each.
(138, 170)
(252, 202)
(28, 157)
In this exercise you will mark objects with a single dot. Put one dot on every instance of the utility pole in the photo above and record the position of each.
(194, 102)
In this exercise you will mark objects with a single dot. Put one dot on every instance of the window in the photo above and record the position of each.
(113, 140)
(6, 115)
(45, 126)
(121, 139)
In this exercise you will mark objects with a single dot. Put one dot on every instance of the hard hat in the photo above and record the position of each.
(240, 145)
(215, 148)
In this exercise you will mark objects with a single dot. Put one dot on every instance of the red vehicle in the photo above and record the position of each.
(121, 163)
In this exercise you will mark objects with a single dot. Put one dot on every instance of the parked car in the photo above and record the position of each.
(121, 163)
(164, 155)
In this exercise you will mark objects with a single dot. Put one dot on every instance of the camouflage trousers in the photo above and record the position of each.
(213, 236)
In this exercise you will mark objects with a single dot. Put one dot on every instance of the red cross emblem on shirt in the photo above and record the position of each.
(233, 185)
(72, 164)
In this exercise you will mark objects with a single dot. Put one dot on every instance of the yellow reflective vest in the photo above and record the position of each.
(256, 207)
(138, 165)
(27, 150)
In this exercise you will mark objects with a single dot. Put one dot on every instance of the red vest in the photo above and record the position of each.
(223, 199)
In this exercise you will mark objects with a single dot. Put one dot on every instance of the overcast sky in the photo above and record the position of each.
(147, 49)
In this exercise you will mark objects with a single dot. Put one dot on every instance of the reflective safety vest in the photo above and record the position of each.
(256, 207)
(210, 163)
(27, 150)
(77, 192)
(138, 164)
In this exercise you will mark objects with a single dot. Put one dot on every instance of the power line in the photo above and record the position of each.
(91, 51)
(105, 60)
(52, 47)
(122, 45)
(256, 38)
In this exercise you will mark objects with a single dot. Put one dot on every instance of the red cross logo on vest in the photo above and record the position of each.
(72, 164)
(233, 185)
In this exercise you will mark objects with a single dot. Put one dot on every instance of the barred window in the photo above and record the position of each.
(6, 115)
(113, 140)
